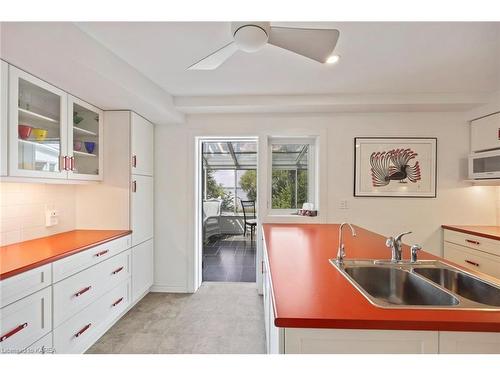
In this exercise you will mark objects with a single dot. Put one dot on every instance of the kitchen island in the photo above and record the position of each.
(312, 308)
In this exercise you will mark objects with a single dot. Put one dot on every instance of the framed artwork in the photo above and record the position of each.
(395, 167)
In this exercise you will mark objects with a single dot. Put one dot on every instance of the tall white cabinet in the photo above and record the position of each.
(142, 204)
(128, 184)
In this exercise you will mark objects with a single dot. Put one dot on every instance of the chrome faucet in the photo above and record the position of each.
(394, 243)
(341, 249)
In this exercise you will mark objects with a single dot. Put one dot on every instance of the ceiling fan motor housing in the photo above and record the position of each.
(250, 36)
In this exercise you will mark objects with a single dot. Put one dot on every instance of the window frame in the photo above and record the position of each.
(312, 170)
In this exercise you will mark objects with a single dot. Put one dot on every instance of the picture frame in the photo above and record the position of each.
(395, 167)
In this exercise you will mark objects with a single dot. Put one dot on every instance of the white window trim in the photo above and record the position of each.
(313, 165)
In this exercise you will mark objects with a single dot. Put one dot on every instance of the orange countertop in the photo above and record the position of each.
(308, 292)
(24, 256)
(487, 231)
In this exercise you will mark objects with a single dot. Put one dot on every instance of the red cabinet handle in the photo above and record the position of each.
(134, 186)
(13, 332)
(102, 253)
(471, 262)
(117, 270)
(82, 331)
(134, 161)
(64, 163)
(473, 242)
(84, 290)
(117, 302)
(72, 164)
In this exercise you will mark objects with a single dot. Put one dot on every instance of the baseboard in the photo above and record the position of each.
(172, 288)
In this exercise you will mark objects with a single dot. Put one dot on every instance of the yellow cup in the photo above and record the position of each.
(39, 134)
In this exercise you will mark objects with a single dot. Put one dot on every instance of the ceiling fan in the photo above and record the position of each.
(316, 44)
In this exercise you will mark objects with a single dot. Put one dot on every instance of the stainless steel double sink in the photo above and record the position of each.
(425, 284)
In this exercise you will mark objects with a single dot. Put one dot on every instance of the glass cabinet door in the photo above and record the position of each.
(85, 140)
(37, 127)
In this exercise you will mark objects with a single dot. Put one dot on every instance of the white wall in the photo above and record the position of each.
(22, 210)
(456, 203)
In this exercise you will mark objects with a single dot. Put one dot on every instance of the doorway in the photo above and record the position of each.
(228, 215)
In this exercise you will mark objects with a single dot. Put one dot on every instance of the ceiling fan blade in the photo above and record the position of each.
(215, 59)
(317, 44)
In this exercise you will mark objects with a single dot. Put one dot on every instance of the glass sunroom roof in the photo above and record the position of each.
(243, 155)
(230, 155)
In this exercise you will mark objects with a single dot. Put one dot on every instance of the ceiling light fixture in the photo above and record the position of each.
(333, 59)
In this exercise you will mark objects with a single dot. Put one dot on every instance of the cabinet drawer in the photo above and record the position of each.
(25, 321)
(473, 259)
(78, 291)
(42, 346)
(16, 287)
(75, 263)
(78, 333)
(473, 242)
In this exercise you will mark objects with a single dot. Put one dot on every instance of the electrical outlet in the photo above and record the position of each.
(51, 217)
(343, 205)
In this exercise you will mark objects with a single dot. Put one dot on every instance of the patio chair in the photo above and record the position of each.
(249, 217)
(211, 217)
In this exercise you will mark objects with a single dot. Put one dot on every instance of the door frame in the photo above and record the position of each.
(198, 207)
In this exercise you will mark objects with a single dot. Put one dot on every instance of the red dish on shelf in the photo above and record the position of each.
(24, 131)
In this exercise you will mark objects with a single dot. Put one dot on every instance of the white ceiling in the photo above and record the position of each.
(142, 66)
(377, 58)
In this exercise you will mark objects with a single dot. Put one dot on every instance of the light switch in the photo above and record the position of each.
(343, 205)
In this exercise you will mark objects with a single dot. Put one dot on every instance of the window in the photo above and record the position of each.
(292, 173)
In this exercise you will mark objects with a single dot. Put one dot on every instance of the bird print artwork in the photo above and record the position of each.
(394, 165)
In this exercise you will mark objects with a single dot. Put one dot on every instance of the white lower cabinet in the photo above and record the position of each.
(142, 269)
(473, 259)
(25, 321)
(78, 333)
(469, 342)
(43, 346)
(66, 306)
(17, 287)
(353, 341)
(70, 265)
(473, 252)
(74, 293)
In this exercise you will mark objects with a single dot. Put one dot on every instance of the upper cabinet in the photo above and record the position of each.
(51, 133)
(485, 133)
(85, 146)
(142, 146)
(4, 119)
(37, 127)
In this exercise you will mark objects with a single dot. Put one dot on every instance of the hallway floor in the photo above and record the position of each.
(221, 318)
(229, 258)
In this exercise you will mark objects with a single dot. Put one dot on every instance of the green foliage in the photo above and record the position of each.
(248, 182)
(283, 188)
(215, 191)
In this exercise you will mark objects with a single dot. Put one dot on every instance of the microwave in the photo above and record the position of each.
(484, 165)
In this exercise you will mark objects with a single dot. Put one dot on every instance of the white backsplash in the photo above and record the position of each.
(22, 210)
